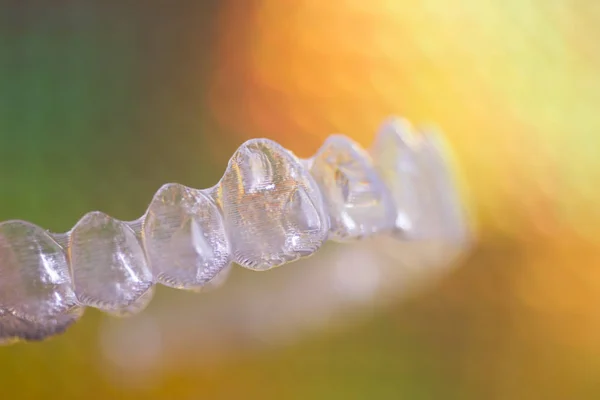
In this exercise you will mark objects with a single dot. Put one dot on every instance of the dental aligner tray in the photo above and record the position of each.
(269, 208)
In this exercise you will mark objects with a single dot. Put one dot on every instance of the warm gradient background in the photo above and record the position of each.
(102, 102)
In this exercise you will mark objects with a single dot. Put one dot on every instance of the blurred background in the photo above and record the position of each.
(101, 102)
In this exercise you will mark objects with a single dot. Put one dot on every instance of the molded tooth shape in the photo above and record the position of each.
(412, 171)
(136, 307)
(35, 285)
(272, 207)
(358, 203)
(184, 237)
(13, 329)
(108, 264)
(447, 202)
(396, 159)
(216, 282)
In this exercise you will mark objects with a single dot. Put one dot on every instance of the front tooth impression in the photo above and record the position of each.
(108, 264)
(415, 170)
(447, 208)
(272, 207)
(396, 157)
(185, 238)
(357, 200)
(36, 292)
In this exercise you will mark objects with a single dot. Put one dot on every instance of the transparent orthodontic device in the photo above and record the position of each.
(269, 208)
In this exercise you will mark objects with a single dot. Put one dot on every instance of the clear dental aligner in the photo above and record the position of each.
(269, 208)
